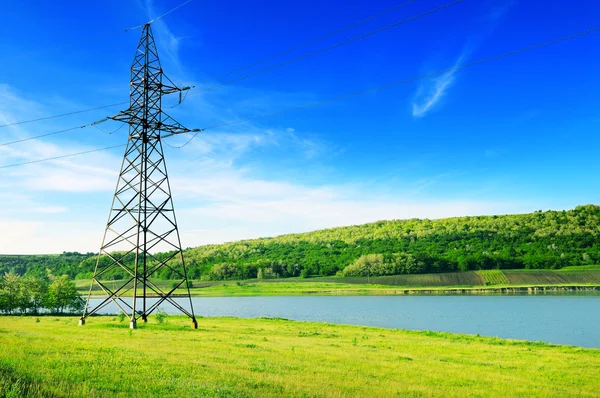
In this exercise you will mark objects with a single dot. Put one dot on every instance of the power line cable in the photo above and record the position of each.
(168, 12)
(356, 38)
(181, 99)
(93, 38)
(62, 156)
(78, 42)
(254, 63)
(312, 41)
(64, 114)
(42, 135)
(397, 83)
(110, 132)
(295, 48)
(81, 111)
(233, 71)
(95, 124)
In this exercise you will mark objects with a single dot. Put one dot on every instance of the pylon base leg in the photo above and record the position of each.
(144, 318)
(194, 324)
(133, 324)
(81, 322)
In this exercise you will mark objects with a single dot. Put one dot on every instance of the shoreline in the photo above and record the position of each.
(255, 290)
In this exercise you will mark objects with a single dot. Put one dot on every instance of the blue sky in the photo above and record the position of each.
(514, 135)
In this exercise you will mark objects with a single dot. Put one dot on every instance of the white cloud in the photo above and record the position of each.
(499, 10)
(43, 237)
(15, 108)
(50, 209)
(233, 205)
(298, 209)
(229, 143)
(431, 92)
(27, 205)
(216, 199)
(167, 43)
(79, 174)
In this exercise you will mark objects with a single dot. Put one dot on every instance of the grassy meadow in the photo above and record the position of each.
(230, 357)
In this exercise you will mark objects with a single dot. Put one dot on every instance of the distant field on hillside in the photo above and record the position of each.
(469, 278)
(493, 277)
(580, 267)
(552, 277)
(380, 285)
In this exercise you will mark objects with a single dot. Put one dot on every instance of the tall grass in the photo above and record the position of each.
(14, 385)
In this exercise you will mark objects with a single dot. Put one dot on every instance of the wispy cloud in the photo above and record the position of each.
(43, 237)
(60, 175)
(233, 206)
(432, 91)
(167, 41)
(219, 194)
(28, 204)
(218, 197)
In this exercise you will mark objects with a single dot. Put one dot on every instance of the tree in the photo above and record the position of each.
(34, 291)
(364, 265)
(62, 295)
(404, 263)
(3, 300)
(267, 273)
(10, 292)
(223, 271)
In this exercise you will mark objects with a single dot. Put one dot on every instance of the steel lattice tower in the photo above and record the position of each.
(142, 216)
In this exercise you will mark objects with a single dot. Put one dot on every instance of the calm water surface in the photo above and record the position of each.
(570, 319)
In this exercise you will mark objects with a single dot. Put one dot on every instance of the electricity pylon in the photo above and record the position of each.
(142, 217)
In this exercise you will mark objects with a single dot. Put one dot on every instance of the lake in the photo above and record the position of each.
(566, 319)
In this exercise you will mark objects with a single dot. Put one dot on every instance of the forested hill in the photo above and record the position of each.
(551, 239)
(67, 263)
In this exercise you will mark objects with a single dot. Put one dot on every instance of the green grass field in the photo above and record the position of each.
(580, 267)
(228, 357)
(386, 285)
(493, 277)
(518, 277)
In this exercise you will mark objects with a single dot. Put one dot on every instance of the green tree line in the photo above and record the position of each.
(539, 240)
(33, 295)
(42, 265)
